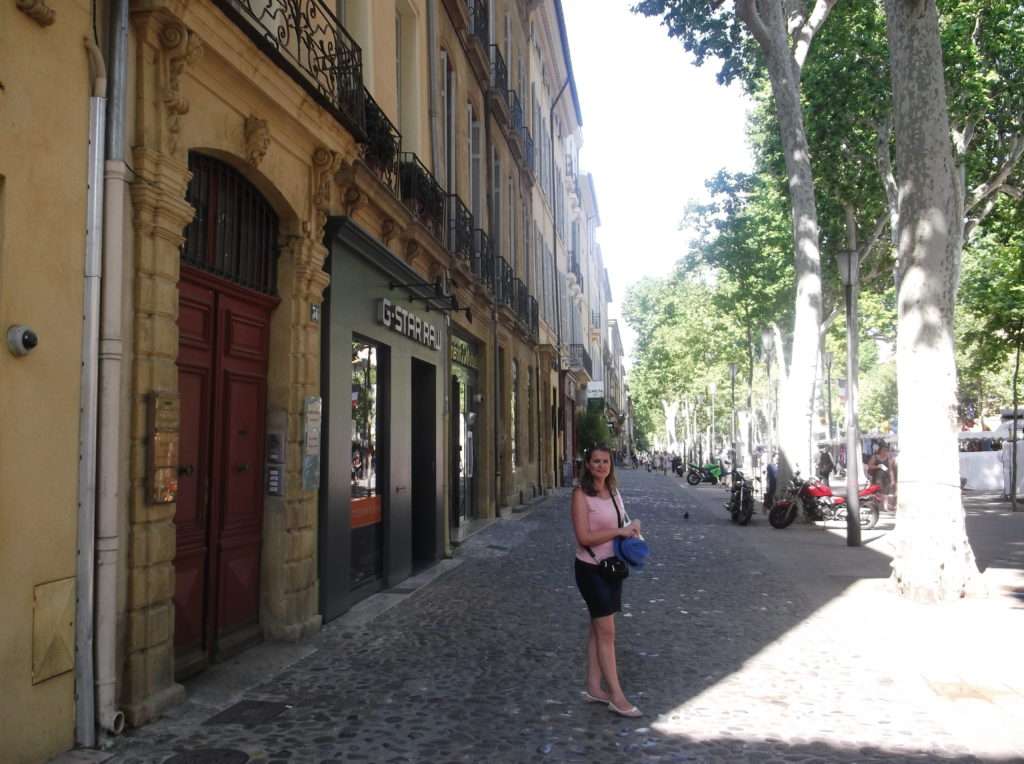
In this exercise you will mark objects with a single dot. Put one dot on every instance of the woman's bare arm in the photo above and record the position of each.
(581, 525)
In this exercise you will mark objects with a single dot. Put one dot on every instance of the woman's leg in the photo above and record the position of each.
(593, 666)
(604, 630)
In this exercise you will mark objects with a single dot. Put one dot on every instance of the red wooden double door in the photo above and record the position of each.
(224, 334)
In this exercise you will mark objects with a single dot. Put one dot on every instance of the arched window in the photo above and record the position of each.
(234, 232)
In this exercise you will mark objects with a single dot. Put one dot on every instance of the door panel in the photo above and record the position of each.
(195, 370)
(222, 364)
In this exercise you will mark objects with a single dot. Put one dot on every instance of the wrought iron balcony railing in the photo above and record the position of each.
(422, 194)
(482, 259)
(305, 39)
(579, 358)
(460, 229)
(574, 269)
(499, 73)
(504, 282)
(382, 148)
(522, 302)
(534, 319)
(479, 24)
(528, 152)
(516, 108)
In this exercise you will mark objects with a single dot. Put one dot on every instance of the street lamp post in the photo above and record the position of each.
(848, 261)
(732, 403)
(766, 351)
(712, 388)
(828, 397)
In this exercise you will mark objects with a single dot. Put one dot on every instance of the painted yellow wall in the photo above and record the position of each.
(44, 107)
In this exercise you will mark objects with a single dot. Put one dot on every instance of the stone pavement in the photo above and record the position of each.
(740, 644)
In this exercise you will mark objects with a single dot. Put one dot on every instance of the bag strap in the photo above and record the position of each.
(618, 519)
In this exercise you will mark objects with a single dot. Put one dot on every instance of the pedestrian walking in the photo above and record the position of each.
(825, 465)
(881, 469)
(598, 518)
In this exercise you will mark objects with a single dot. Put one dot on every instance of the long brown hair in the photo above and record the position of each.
(587, 479)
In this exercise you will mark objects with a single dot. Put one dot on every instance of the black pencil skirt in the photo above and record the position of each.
(603, 597)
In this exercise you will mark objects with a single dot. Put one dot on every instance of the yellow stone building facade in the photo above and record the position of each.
(326, 326)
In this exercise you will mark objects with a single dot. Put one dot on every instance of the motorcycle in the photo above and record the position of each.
(741, 499)
(819, 503)
(709, 473)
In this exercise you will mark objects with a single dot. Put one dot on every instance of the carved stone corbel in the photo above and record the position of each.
(352, 200)
(38, 11)
(412, 251)
(257, 139)
(325, 165)
(181, 47)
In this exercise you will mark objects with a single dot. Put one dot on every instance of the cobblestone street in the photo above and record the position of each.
(739, 644)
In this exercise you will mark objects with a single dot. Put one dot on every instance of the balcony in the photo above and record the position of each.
(482, 259)
(479, 39)
(522, 303)
(515, 128)
(460, 230)
(422, 194)
(382, 148)
(579, 359)
(575, 270)
(504, 283)
(305, 39)
(498, 92)
(534, 319)
(529, 157)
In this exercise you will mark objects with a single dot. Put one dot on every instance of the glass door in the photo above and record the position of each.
(466, 453)
(367, 544)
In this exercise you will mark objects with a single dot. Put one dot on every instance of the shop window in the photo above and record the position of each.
(366, 509)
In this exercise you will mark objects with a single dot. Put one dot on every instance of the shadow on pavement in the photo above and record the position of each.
(740, 644)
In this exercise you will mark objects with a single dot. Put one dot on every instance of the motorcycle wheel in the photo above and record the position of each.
(692, 478)
(782, 515)
(869, 516)
(746, 509)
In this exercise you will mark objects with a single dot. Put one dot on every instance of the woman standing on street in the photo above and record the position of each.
(598, 518)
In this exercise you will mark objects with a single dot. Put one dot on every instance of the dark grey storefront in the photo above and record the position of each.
(382, 373)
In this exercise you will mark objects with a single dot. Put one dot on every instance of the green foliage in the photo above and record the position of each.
(737, 276)
(878, 398)
(991, 318)
(592, 429)
(709, 33)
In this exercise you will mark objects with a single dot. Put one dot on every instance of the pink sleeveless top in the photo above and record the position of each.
(601, 516)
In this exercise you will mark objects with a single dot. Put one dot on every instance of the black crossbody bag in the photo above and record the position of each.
(611, 568)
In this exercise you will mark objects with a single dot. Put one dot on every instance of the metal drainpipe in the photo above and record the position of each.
(85, 709)
(554, 247)
(488, 195)
(109, 718)
(437, 159)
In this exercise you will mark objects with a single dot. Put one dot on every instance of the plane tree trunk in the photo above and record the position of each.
(934, 560)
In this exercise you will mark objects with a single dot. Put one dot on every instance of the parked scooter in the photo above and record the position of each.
(709, 473)
(819, 503)
(741, 499)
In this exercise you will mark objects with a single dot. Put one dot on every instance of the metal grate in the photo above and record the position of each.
(234, 231)
(248, 712)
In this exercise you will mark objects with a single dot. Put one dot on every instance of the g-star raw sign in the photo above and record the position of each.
(406, 323)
